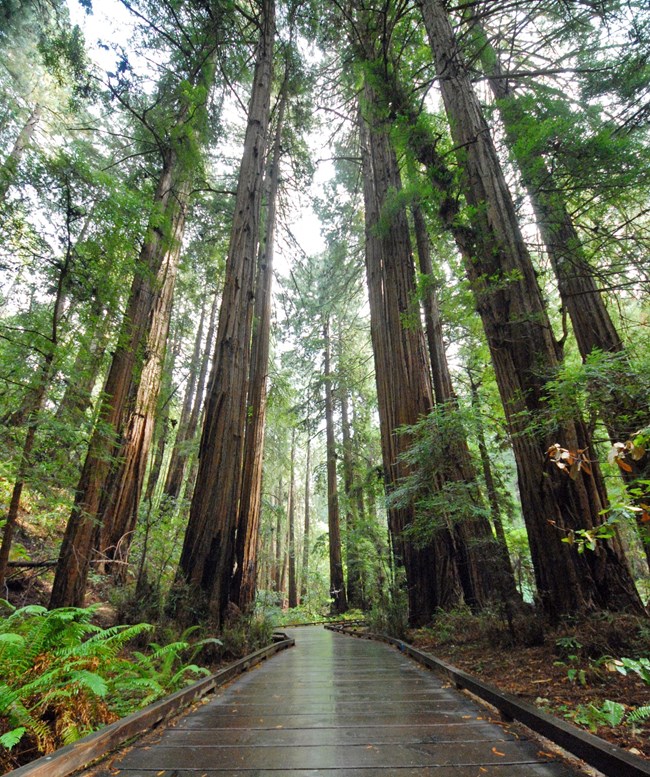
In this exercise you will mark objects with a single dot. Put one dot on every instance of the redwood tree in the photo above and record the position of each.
(525, 355)
(207, 558)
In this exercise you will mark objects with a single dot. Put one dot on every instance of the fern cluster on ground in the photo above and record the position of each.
(63, 676)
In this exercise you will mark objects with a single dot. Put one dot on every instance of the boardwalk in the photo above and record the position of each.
(339, 707)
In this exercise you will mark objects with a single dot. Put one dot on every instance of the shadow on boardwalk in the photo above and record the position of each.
(338, 707)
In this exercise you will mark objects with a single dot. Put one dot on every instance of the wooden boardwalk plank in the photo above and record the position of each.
(339, 707)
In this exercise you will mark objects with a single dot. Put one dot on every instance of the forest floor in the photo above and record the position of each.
(570, 675)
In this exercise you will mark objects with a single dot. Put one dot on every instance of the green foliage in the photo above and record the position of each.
(439, 496)
(244, 634)
(640, 666)
(610, 713)
(390, 616)
(63, 676)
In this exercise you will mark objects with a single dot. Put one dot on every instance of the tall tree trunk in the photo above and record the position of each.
(404, 389)
(10, 166)
(443, 390)
(119, 514)
(304, 575)
(626, 397)
(525, 355)
(176, 469)
(199, 399)
(337, 582)
(293, 587)
(82, 529)
(277, 568)
(84, 374)
(488, 477)
(353, 560)
(207, 558)
(250, 505)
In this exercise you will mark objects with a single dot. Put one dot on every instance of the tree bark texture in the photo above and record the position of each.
(525, 355)
(626, 397)
(485, 573)
(176, 469)
(337, 581)
(304, 572)
(352, 557)
(119, 514)
(250, 504)
(207, 558)
(293, 583)
(199, 399)
(404, 389)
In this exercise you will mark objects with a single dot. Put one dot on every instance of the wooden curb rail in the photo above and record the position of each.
(608, 758)
(82, 752)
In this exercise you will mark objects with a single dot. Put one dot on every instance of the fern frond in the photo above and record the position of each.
(639, 714)
(177, 679)
(13, 737)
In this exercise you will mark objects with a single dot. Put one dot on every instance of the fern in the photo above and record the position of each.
(63, 676)
(639, 714)
(12, 738)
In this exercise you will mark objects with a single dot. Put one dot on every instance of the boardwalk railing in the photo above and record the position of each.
(82, 752)
(609, 759)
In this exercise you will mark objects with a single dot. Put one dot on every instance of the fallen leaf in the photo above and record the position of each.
(497, 752)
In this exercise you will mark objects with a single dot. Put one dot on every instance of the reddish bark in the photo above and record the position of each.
(207, 558)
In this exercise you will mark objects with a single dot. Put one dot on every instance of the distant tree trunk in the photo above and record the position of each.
(305, 537)
(119, 514)
(82, 530)
(525, 355)
(250, 504)
(34, 405)
(199, 398)
(10, 166)
(77, 396)
(293, 588)
(443, 389)
(176, 468)
(352, 516)
(404, 389)
(207, 558)
(277, 569)
(337, 582)
(488, 477)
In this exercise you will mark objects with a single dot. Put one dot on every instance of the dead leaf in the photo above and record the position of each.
(497, 752)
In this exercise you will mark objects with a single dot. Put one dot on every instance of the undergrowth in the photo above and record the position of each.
(63, 676)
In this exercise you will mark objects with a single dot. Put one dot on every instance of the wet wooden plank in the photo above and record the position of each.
(404, 734)
(511, 770)
(338, 756)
